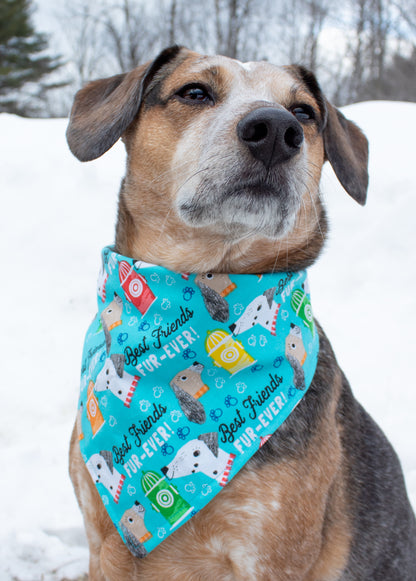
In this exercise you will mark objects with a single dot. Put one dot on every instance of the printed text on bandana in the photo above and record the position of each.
(256, 411)
(162, 341)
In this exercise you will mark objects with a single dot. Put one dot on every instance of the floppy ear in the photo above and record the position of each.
(346, 149)
(103, 109)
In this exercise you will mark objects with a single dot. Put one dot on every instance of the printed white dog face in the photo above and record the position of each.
(115, 379)
(201, 455)
(102, 471)
(262, 310)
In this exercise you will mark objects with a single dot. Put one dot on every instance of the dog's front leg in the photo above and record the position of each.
(98, 525)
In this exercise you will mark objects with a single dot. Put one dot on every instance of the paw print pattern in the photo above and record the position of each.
(206, 490)
(278, 361)
(215, 414)
(188, 293)
(167, 450)
(230, 401)
(188, 354)
(219, 382)
(241, 387)
(175, 416)
(256, 367)
(190, 487)
(122, 338)
(144, 405)
(183, 432)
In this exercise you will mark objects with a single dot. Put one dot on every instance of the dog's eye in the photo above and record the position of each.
(196, 453)
(195, 93)
(303, 113)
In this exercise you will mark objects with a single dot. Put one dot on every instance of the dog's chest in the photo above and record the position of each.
(265, 525)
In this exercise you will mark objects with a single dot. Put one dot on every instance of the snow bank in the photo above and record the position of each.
(57, 213)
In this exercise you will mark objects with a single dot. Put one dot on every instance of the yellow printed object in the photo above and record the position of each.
(227, 352)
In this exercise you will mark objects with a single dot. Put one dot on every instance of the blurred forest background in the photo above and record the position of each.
(359, 49)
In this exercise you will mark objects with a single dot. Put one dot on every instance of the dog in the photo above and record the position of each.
(223, 167)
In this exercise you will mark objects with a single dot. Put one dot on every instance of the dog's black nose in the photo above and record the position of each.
(232, 327)
(164, 470)
(272, 135)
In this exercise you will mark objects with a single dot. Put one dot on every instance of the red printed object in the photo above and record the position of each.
(135, 287)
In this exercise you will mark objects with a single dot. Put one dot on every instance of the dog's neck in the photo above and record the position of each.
(154, 234)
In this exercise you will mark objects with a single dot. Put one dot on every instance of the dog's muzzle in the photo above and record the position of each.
(272, 135)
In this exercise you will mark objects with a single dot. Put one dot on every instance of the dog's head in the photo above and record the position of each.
(224, 160)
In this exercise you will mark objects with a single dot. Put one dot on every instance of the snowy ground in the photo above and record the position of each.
(55, 216)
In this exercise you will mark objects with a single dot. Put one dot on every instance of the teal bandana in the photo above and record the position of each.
(184, 377)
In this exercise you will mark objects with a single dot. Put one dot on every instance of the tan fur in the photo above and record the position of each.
(149, 226)
(273, 521)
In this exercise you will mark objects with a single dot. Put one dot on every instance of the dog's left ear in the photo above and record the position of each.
(103, 109)
(346, 147)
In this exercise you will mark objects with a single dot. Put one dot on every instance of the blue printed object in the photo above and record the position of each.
(184, 377)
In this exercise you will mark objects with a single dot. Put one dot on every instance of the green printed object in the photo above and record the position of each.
(301, 304)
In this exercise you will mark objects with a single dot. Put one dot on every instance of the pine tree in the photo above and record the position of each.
(22, 56)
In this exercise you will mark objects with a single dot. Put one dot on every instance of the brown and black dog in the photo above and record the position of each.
(223, 171)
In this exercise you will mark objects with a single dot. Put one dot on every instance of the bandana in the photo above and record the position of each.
(184, 377)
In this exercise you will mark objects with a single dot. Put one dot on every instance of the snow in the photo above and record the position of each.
(57, 213)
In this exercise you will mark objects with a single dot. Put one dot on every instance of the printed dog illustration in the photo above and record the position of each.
(224, 161)
(111, 318)
(134, 529)
(115, 379)
(296, 354)
(214, 288)
(201, 455)
(102, 470)
(188, 388)
(263, 310)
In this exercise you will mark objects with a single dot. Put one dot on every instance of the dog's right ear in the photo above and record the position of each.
(103, 109)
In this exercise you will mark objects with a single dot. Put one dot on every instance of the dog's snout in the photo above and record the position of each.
(272, 135)
(164, 470)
